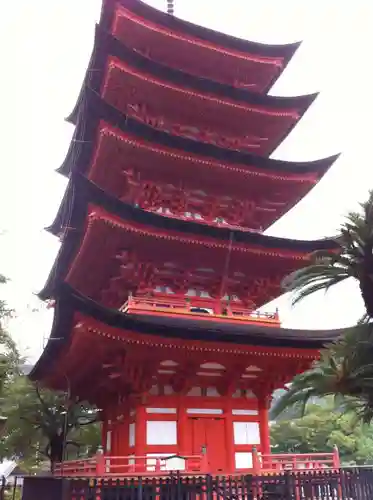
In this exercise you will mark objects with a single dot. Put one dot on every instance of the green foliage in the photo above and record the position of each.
(353, 260)
(39, 418)
(345, 369)
(319, 430)
(39, 423)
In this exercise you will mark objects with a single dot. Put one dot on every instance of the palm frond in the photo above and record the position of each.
(345, 371)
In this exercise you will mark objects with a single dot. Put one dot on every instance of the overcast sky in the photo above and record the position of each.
(45, 47)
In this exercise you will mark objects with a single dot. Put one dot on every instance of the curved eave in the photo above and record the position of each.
(141, 9)
(106, 45)
(95, 110)
(71, 302)
(83, 192)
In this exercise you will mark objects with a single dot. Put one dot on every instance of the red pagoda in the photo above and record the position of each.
(163, 265)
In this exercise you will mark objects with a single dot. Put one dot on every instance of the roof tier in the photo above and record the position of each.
(137, 252)
(166, 351)
(180, 177)
(194, 49)
(183, 105)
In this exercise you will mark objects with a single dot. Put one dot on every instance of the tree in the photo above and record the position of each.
(353, 260)
(38, 421)
(42, 423)
(319, 430)
(345, 369)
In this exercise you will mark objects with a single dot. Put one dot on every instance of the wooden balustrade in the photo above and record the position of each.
(298, 461)
(122, 466)
(198, 308)
(106, 466)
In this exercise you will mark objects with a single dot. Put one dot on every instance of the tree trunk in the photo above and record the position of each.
(366, 283)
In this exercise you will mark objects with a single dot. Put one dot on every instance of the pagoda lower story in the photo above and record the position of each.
(197, 394)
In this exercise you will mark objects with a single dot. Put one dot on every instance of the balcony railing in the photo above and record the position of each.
(202, 309)
(127, 466)
(280, 462)
(106, 466)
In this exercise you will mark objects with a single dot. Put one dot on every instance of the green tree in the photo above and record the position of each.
(353, 260)
(345, 369)
(42, 423)
(39, 423)
(320, 430)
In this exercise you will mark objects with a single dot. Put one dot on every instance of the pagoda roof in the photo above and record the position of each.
(74, 311)
(99, 225)
(261, 189)
(193, 48)
(164, 97)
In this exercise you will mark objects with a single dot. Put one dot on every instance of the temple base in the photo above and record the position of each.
(215, 434)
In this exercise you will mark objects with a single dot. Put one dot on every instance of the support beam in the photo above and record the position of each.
(263, 406)
(140, 435)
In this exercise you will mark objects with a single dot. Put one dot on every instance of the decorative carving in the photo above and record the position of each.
(244, 143)
(180, 201)
(143, 278)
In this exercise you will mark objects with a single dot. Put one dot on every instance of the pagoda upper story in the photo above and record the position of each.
(166, 161)
(196, 50)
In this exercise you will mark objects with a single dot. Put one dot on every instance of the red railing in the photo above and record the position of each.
(109, 466)
(103, 465)
(198, 307)
(298, 461)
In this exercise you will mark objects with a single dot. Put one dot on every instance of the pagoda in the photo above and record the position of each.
(163, 266)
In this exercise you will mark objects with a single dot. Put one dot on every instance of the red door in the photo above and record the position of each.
(210, 433)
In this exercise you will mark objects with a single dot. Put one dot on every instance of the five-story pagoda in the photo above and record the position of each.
(163, 264)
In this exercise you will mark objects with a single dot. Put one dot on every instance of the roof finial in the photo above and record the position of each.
(170, 7)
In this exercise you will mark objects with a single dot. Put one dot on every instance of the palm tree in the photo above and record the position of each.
(353, 260)
(345, 369)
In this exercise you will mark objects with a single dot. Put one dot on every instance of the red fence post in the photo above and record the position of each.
(100, 464)
(204, 461)
(336, 459)
(256, 462)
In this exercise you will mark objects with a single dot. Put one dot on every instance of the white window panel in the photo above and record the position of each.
(161, 432)
(244, 412)
(243, 460)
(131, 440)
(246, 433)
(205, 411)
(108, 442)
(161, 410)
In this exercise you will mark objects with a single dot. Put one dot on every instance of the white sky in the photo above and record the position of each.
(44, 50)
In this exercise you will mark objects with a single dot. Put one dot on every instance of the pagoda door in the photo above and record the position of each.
(209, 433)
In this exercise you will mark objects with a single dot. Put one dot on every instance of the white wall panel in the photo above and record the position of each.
(131, 439)
(244, 460)
(108, 442)
(161, 432)
(246, 433)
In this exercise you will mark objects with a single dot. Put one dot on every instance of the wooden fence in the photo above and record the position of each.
(343, 484)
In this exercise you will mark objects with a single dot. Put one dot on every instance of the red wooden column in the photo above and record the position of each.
(104, 430)
(229, 434)
(140, 437)
(182, 427)
(263, 406)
